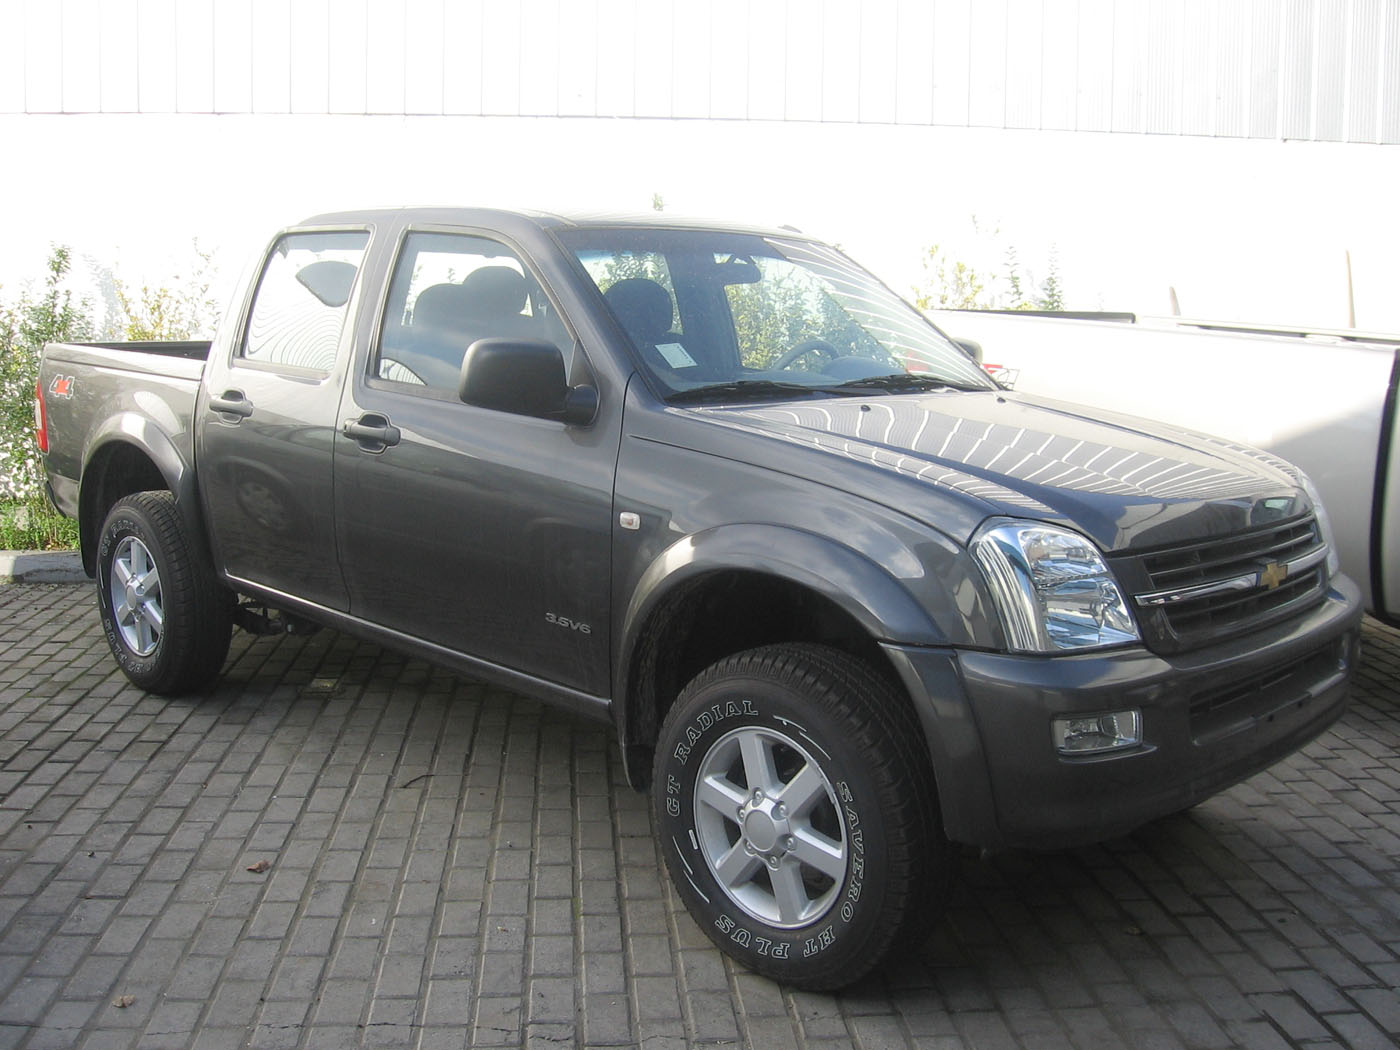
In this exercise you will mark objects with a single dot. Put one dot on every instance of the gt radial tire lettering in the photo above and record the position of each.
(673, 791)
(708, 718)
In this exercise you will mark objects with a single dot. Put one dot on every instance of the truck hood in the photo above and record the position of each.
(1124, 482)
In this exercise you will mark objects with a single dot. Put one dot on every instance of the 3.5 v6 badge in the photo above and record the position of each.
(564, 621)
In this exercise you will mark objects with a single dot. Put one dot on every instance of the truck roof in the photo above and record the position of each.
(505, 219)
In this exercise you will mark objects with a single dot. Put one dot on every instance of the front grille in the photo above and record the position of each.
(1233, 597)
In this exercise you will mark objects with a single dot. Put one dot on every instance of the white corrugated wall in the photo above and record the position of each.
(1326, 70)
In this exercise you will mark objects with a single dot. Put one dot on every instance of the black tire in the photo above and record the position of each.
(169, 630)
(818, 895)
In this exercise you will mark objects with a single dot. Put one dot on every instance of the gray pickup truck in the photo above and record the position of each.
(845, 600)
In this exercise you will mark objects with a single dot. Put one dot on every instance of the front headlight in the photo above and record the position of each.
(1052, 587)
(1324, 523)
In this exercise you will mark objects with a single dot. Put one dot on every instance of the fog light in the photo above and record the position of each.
(1094, 734)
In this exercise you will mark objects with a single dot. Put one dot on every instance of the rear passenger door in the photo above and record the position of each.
(265, 435)
(481, 531)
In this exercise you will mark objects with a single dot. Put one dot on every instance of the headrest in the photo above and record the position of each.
(642, 307)
(494, 289)
(439, 306)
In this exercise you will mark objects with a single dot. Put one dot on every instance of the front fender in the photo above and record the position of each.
(890, 593)
(854, 583)
(851, 581)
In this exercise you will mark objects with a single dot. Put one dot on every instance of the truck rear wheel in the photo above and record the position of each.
(798, 816)
(166, 617)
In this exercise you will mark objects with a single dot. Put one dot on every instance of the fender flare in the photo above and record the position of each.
(853, 582)
(850, 580)
(134, 431)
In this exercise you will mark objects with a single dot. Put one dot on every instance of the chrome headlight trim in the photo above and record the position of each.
(1052, 587)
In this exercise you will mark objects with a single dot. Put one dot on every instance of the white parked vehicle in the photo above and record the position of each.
(1321, 399)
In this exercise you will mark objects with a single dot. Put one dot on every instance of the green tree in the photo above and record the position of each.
(51, 315)
(626, 265)
(181, 309)
(785, 309)
(770, 318)
(950, 284)
(186, 311)
(1016, 300)
(1051, 296)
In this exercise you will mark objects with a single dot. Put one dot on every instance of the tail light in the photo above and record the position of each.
(41, 419)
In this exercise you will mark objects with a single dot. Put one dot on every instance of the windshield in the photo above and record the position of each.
(741, 315)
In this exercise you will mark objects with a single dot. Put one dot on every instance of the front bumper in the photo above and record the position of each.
(1211, 718)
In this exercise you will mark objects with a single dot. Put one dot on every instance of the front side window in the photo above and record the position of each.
(300, 306)
(449, 290)
(712, 312)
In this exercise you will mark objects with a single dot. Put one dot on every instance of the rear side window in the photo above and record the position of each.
(300, 305)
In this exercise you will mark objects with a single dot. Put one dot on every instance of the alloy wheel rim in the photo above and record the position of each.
(769, 827)
(134, 588)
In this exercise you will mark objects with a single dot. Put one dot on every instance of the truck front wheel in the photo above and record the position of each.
(166, 618)
(797, 814)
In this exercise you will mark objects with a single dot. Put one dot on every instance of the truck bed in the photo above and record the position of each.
(94, 391)
(181, 359)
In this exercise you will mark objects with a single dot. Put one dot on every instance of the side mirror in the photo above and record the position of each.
(970, 347)
(525, 377)
(580, 405)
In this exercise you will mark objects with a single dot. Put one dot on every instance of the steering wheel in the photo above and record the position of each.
(803, 348)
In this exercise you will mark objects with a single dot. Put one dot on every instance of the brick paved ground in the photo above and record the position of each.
(449, 867)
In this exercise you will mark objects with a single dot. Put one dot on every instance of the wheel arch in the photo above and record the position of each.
(739, 587)
(131, 454)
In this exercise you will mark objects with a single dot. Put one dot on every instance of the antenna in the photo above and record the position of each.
(1351, 295)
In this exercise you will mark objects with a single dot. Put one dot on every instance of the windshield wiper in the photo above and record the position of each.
(743, 389)
(901, 381)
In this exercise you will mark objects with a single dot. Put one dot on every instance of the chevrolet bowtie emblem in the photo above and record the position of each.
(1272, 574)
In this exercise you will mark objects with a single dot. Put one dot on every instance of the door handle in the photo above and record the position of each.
(373, 432)
(232, 403)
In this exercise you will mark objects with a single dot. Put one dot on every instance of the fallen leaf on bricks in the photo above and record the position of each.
(121, 1002)
(260, 867)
